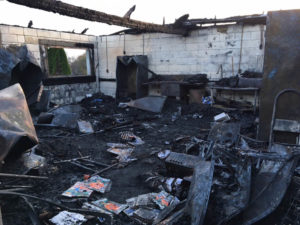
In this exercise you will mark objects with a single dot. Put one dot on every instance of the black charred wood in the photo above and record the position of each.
(96, 16)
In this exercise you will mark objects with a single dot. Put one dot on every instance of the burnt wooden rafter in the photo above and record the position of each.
(250, 19)
(96, 16)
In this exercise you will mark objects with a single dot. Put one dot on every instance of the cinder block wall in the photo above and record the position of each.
(71, 93)
(60, 94)
(201, 52)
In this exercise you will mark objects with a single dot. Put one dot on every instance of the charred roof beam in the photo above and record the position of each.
(96, 16)
(252, 19)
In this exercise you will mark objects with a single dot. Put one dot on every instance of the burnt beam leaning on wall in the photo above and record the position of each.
(96, 16)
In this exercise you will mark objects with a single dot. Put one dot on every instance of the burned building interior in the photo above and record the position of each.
(194, 122)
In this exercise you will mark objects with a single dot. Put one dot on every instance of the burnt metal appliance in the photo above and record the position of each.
(131, 74)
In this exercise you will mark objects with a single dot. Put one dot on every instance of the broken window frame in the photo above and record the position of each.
(63, 79)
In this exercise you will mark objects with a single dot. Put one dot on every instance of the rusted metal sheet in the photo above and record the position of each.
(281, 69)
(17, 132)
(93, 15)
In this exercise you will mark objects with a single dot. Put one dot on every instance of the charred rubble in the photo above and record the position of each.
(151, 168)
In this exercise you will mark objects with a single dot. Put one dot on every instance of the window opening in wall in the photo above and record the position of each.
(68, 62)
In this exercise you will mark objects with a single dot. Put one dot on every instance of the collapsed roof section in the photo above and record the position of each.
(181, 26)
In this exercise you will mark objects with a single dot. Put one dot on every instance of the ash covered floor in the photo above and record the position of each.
(159, 131)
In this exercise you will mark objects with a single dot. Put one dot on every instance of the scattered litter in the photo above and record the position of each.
(87, 205)
(169, 183)
(125, 159)
(131, 138)
(120, 151)
(207, 100)
(223, 117)
(129, 211)
(177, 183)
(85, 127)
(116, 145)
(110, 206)
(127, 136)
(154, 180)
(31, 160)
(163, 199)
(123, 152)
(141, 201)
(137, 141)
(68, 218)
(146, 215)
(99, 184)
(78, 190)
(163, 154)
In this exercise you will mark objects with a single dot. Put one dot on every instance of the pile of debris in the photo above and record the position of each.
(99, 163)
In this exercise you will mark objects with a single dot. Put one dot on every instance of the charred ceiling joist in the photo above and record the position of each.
(96, 16)
(250, 19)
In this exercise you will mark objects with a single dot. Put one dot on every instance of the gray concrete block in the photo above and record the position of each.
(30, 32)
(16, 30)
(9, 38)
